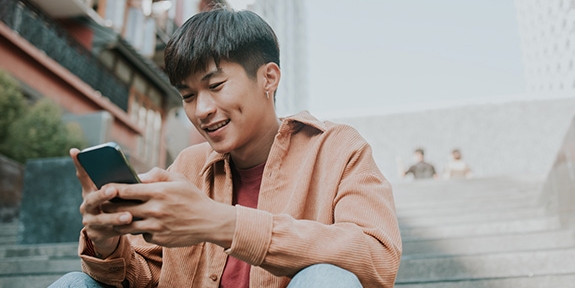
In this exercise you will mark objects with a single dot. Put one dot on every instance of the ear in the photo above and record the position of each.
(272, 75)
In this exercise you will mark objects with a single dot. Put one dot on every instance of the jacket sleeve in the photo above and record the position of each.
(364, 237)
(134, 261)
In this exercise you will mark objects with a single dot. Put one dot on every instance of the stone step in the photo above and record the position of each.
(485, 184)
(503, 265)
(8, 240)
(471, 217)
(60, 250)
(459, 208)
(38, 265)
(545, 240)
(33, 266)
(464, 192)
(29, 281)
(565, 280)
(481, 229)
(8, 233)
(443, 203)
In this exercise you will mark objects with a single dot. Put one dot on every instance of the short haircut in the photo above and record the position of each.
(207, 5)
(420, 151)
(242, 37)
(456, 154)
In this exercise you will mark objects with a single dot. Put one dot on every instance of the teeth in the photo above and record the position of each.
(218, 126)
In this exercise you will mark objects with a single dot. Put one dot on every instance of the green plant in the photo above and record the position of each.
(41, 133)
(12, 104)
(37, 131)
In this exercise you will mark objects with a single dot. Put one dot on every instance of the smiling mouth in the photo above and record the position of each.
(217, 126)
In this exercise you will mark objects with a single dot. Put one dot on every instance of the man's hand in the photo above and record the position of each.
(173, 212)
(98, 225)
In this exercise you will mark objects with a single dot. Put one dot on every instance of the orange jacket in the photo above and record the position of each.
(322, 200)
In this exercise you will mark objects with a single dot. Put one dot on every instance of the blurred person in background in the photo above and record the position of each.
(456, 168)
(419, 170)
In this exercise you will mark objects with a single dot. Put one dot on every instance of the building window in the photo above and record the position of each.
(147, 115)
(115, 10)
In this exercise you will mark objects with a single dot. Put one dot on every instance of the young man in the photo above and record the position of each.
(265, 200)
(421, 169)
(456, 167)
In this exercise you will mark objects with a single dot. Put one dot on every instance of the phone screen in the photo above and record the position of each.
(107, 164)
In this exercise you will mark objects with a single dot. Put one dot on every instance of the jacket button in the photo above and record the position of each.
(214, 277)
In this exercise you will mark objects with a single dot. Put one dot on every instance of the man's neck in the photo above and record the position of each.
(259, 149)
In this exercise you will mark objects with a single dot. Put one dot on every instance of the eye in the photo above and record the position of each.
(188, 97)
(217, 85)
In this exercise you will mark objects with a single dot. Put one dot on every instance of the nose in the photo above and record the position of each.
(205, 105)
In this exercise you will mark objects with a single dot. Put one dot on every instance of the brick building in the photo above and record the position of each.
(72, 53)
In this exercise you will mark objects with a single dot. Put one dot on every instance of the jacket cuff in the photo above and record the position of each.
(109, 270)
(252, 236)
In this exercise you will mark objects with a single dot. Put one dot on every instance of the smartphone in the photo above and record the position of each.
(106, 163)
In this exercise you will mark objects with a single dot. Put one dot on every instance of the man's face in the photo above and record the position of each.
(227, 107)
(417, 157)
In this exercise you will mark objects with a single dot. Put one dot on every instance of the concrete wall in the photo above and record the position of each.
(559, 188)
(507, 138)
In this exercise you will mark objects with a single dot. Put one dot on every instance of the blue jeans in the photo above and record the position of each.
(324, 275)
(319, 275)
(77, 280)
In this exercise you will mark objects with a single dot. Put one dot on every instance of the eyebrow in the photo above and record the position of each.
(211, 74)
(218, 71)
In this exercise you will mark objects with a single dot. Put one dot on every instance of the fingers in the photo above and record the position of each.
(135, 227)
(93, 201)
(106, 219)
(87, 184)
(149, 189)
(155, 175)
(152, 231)
(100, 225)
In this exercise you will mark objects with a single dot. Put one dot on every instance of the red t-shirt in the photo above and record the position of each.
(246, 191)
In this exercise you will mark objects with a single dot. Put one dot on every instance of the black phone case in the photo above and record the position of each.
(107, 164)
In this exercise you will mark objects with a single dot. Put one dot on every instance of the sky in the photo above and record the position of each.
(389, 56)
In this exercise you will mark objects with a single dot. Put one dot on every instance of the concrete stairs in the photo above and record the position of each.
(31, 266)
(489, 232)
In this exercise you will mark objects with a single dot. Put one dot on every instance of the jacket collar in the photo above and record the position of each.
(294, 123)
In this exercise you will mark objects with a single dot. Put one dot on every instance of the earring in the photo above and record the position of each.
(267, 95)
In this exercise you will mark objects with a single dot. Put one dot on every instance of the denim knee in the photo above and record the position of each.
(77, 279)
(324, 275)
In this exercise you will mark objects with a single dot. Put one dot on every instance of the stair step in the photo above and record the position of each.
(489, 244)
(462, 187)
(439, 203)
(566, 280)
(38, 265)
(8, 230)
(29, 281)
(59, 250)
(8, 240)
(462, 192)
(504, 265)
(459, 208)
(8, 233)
(472, 217)
(481, 229)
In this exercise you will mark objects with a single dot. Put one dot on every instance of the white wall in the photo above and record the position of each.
(506, 138)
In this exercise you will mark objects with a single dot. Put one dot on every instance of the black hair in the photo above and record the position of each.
(242, 37)
(456, 154)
